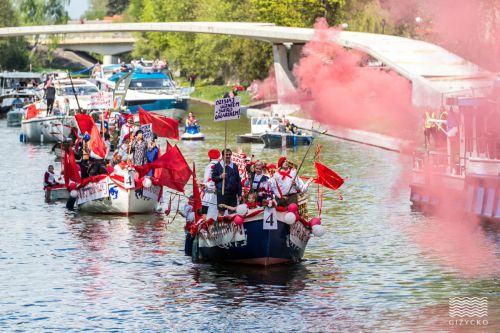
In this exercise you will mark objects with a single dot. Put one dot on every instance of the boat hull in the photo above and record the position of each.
(48, 129)
(249, 138)
(59, 193)
(14, 118)
(193, 137)
(277, 140)
(106, 197)
(252, 243)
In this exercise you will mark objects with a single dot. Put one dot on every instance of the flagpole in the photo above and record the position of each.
(300, 166)
(224, 157)
(74, 93)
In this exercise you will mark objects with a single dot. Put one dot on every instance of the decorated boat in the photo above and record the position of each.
(253, 237)
(193, 133)
(117, 194)
(278, 140)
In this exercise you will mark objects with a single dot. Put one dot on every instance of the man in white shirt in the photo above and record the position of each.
(127, 128)
(286, 185)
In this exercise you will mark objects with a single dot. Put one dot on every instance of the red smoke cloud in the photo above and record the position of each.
(336, 87)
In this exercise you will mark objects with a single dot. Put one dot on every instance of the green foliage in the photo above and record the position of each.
(13, 51)
(97, 10)
(117, 7)
(212, 92)
(43, 12)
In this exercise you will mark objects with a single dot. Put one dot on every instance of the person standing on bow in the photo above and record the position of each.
(227, 172)
(209, 204)
(286, 184)
(50, 95)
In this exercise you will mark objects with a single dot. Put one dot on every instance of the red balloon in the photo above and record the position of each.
(293, 207)
(315, 221)
(238, 220)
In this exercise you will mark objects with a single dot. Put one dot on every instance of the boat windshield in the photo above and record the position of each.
(79, 90)
(151, 84)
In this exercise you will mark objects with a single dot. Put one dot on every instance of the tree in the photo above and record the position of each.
(97, 10)
(117, 7)
(13, 51)
(43, 12)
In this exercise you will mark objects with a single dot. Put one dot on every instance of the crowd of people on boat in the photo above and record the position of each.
(266, 185)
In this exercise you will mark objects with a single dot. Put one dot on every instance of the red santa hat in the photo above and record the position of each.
(213, 154)
(127, 136)
(271, 166)
(127, 117)
(281, 161)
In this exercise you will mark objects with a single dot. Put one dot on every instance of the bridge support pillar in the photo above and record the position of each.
(109, 59)
(285, 57)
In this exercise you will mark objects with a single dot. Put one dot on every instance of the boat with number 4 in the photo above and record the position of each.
(118, 194)
(257, 236)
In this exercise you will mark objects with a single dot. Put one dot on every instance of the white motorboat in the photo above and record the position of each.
(18, 84)
(43, 128)
(80, 89)
(118, 194)
(14, 117)
(258, 126)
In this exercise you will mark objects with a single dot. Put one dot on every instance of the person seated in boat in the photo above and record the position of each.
(286, 184)
(227, 172)
(191, 120)
(17, 103)
(124, 68)
(187, 211)
(257, 182)
(282, 126)
(49, 179)
(123, 148)
(56, 109)
(251, 202)
(209, 204)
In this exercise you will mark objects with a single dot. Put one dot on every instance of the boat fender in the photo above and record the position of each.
(242, 209)
(73, 193)
(293, 208)
(317, 228)
(290, 218)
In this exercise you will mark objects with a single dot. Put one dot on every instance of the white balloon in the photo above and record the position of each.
(318, 230)
(242, 209)
(73, 193)
(146, 182)
(290, 218)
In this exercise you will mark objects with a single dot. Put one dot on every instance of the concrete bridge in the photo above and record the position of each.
(434, 72)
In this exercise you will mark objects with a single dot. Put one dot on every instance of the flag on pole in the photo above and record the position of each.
(162, 126)
(327, 177)
(196, 195)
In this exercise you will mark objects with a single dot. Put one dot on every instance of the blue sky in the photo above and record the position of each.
(77, 7)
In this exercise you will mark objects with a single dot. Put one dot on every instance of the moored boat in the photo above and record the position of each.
(14, 117)
(57, 192)
(258, 126)
(193, 133)
(43, 128)
(463, 168)
(278, 140)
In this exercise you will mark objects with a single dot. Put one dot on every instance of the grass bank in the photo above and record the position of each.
(213, 92)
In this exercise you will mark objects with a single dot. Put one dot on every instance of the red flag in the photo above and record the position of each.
(71, 169)
(327, 177)
(32, 111)
(85, 123)
(162, 126)
(96, 143)
(175, 171)
(196, 195)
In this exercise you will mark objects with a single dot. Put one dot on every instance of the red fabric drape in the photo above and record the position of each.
(71, 169)
(162, 126)
(327, 177)
(96, 143)
(196, 195)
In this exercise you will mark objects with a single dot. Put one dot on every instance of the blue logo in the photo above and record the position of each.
(113, 192)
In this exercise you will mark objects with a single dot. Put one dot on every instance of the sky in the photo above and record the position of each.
(77, 7)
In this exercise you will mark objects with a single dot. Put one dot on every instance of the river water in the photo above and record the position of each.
(64, 271)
